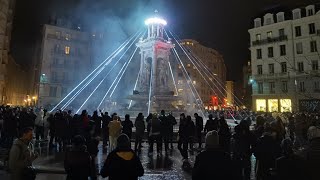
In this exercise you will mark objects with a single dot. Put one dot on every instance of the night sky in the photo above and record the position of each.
(222, 25)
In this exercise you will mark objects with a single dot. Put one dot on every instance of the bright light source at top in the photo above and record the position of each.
(155, 21)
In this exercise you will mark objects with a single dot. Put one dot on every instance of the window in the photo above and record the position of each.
(301, 87)
(316, 86)
(269, 34)
(180, 74)
(297, 15)
(272, 87)
(313, 46)
(260, 87)
(180, 90)
(68, 37)
(315, 65)
(283, 67)
(298, 31)
(258, 37)
(188, 65)
(179, 66)
(268, 21)
(281, 32)
(271, 68)
(56, 48)
(194, 82)
(259, 53)
(270, 52)
(259, 69)
(53, 91)
(180, 81)
(312, 28)
(54, 76)
(300, 67)
(58, 34)
(67, 50)
(310, 12)
(299, 48)
(284, 86)
(283, 50)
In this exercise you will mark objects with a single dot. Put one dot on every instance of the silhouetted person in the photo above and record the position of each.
(213, 162)
(211, 124)
(173, 121)
(122, 163)
(155, 134)
(199, 129)
(289, 165)
(97, 123)
(165, 129)
(127, 126)
(186, 133)
(105, 130)
(77, 162)
(224, 134)
(140, 128)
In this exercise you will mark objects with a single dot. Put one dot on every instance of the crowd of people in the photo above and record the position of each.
(283, 148)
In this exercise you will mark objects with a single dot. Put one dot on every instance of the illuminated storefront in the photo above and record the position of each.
(261, 105)
(285, 105)
(273, 105)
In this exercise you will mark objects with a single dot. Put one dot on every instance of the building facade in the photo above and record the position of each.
(65, 59)
(214, 62)
(285, 60)
(230, 93)
(6, 18)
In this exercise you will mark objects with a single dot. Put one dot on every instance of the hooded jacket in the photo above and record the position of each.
(122, 164)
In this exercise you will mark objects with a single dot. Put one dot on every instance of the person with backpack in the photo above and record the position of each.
(21, 157)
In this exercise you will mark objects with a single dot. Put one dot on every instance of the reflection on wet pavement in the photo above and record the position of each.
(156, 167)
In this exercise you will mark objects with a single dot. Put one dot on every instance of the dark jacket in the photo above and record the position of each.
(122, 164)
(199, 124)
(313, 160)
(289, 167)
(186, 129)
(77, 164)
(212, 164)
(211, 125)
(140, 126)
(127, 126)
(165, 125)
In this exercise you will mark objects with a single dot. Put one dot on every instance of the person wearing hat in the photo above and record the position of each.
(122, 163)
(213, 162)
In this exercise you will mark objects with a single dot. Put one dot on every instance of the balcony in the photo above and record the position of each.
(269, 40)
(271, 76)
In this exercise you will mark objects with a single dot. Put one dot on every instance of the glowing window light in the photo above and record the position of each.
(155, 21)
(67, 50)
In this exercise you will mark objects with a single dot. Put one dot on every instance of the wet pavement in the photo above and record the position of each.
(50, 164)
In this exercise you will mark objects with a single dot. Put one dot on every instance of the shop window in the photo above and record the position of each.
(285, 105)
(261, 105)
(273, 105)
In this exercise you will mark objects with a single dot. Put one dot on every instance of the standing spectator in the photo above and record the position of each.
(155, 134)
(9, 127)
(97, 123)
(213, 162)
(140, 127)
(199, 128)
(85, 124)
(289, 165)
(52, 129)
(173, 121)
(21, 156)
(77, 162)
(105, 130)
(122, 163)
(224, 134)
(267, 150)
(211, 124)
(114, 131)
(165, 130)
(313, 154)
(291, 128)
(39, 125)
(186, 133)
(127, 126)
(61, 129)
